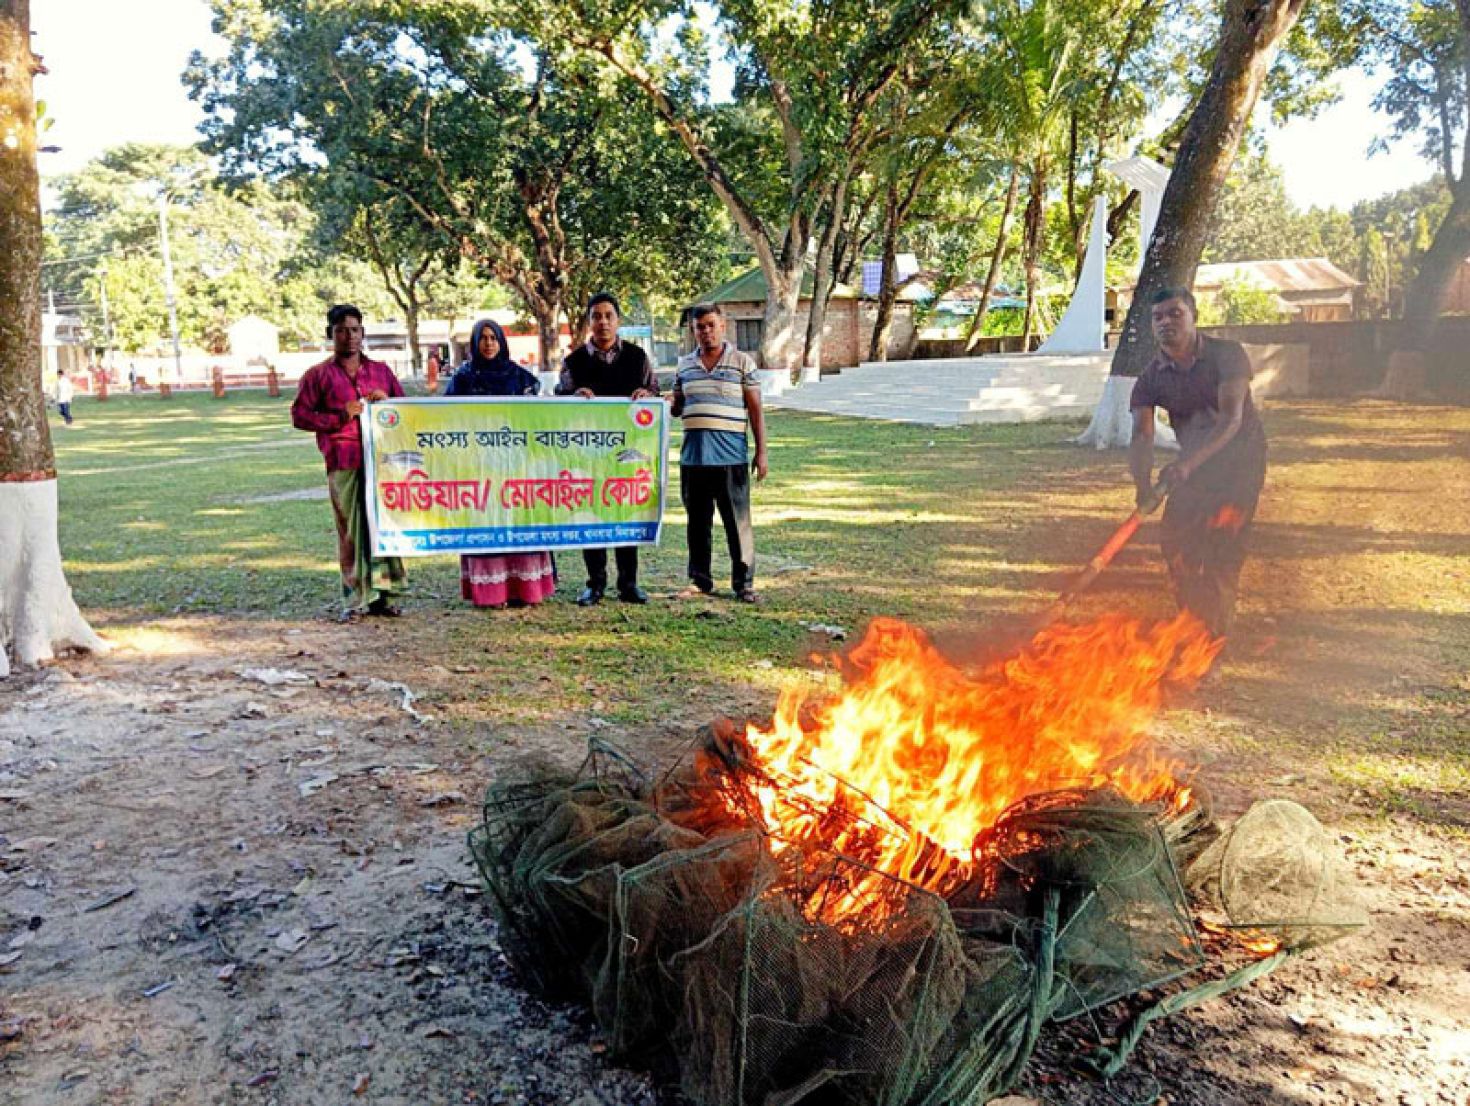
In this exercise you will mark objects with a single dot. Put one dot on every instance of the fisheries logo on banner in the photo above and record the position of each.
(505, 475)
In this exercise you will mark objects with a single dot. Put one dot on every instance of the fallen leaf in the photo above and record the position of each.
(109, 899)
(292, 939)
(32, 844)
(438, 1031)
(262, 1078)
(226, 973)
(360, 1084)
(310, 787)
(274, 677)
(8, 959)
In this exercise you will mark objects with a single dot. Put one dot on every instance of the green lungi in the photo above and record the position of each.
(365, 578)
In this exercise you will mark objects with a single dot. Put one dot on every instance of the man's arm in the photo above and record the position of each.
(306, 411)
(648, 386)
(758, 428)
(1141, 453)
(565, 385)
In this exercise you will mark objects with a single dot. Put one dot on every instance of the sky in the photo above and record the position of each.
(114, 77)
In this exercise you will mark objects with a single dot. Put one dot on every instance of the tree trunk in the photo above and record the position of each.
(779, 341)
(822, 281)
(1250, 34)
(1407, 373)
(37, 612)
(411, 323)
(888, 285)
(997, 256)
(548, 332)
(1035, 221)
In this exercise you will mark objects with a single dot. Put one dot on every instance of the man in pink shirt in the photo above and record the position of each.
(329, 400)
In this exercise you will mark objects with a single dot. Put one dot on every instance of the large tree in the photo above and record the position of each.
(819, 71)
(514, 158)
(247, 249)
(1425, 45)
(1251, 33)
(37, 612)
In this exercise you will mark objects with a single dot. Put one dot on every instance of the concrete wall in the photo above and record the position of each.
(1341, 358)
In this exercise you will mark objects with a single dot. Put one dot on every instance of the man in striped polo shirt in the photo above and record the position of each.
(717, 395)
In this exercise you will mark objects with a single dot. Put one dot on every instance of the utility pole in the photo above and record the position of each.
(168, 285)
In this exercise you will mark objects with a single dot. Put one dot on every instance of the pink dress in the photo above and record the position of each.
(497, 579)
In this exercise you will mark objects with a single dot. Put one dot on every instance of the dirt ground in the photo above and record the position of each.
(232, 863)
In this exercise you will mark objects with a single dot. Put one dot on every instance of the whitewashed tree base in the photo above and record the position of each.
(1405, 378)
(811, 374)
(1112, 420)
(38, 615)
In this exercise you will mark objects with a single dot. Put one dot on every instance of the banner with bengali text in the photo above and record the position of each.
(451, 475)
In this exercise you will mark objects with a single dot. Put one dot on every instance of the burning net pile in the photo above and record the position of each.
(882, 897)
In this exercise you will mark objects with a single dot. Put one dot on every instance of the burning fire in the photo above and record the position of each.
(1253, 941)
(916, 758)
(1228, 517)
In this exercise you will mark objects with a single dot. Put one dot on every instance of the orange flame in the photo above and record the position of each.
(905, 768)
(1255, 942)
(1228, 517)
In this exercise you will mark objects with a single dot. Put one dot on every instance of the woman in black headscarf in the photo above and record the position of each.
(505, 579)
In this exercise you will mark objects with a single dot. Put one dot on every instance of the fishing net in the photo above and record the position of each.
(709, 948)
(1276, 872)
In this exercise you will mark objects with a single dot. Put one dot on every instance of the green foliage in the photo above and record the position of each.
(538, 169)
(1240, 302)
(235, 251)
(1255, 219)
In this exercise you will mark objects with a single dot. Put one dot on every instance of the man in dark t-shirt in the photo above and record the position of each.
(1204, 385)
(608, 366)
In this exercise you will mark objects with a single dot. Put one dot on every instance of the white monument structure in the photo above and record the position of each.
(1082, 328)
(1112, 420)
(1068, 377)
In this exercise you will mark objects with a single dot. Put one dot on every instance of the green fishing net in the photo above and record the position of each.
(699, 941)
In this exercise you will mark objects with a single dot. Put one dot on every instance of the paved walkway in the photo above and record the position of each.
(952, 391)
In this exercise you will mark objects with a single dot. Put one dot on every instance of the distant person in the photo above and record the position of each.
(608, 366)
(717, 394)
(501, 579)
(65, 393)
(329, 399)
(132, 379)
(1204, 384)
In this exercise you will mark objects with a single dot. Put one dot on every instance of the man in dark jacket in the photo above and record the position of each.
(1204, 385)
(608, 366)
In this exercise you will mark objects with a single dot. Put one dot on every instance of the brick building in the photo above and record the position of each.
(848, 328)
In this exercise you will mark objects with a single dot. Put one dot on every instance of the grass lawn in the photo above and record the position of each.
(1351, 654)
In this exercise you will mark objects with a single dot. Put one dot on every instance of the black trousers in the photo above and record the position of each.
(726, 488)
(1204, 530)
(596, 561)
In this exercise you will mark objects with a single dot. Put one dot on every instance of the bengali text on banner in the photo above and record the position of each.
(505, 475)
